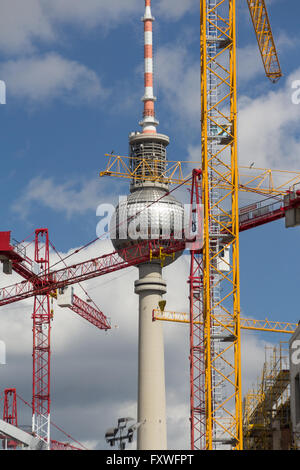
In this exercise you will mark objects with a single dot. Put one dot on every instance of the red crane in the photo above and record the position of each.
(41, 286)
(15, 259)
(197, 345)
(105, 264)
(10, 414)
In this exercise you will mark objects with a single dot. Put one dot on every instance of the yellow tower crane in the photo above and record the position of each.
(221, 290)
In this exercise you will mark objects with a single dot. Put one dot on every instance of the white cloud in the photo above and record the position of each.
(71, 198)
(38, 78)
(21, 23)
(252, 359)
(179, 83)
(174, 9)
(90, 13)
(249, 63)
(51, 76)
(268, 128)
(24, 23)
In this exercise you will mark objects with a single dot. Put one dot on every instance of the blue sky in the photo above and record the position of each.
(74, 76)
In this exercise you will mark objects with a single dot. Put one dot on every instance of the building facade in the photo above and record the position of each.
(294, 347)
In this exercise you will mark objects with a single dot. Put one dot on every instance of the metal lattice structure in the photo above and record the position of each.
(105, 264)
(197, 337)
(264, 36)
(10, 412)
(251, 324)
(266, 407)
(41, 345)
(265, 181)
(10, 415)
(147, 158)
(221, 290)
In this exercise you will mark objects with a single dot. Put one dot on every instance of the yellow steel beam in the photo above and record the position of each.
(120, 167)
(264, 36)
(253, 324)
(251, 179)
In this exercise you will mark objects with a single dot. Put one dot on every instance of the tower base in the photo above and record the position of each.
(152, 433)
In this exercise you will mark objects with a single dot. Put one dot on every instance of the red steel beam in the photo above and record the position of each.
(89, 313)
(260, 213)
(258, 219)
(197, 344)
(80, 307)
(105, 264)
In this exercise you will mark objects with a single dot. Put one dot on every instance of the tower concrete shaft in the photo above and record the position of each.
(152, 434)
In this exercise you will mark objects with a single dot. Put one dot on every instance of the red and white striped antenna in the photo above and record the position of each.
(149, 123)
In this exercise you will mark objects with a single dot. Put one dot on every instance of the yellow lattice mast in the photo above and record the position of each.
(220, 187)
(219, 161)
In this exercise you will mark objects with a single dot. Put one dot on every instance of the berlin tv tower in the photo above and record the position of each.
(155, 214)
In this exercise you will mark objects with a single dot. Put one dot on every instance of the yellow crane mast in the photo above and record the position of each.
(221, 288)
(220, 291)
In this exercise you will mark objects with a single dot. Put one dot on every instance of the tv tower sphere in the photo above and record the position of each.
(148, 213)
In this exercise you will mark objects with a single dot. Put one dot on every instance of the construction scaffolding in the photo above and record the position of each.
(266, 408)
